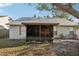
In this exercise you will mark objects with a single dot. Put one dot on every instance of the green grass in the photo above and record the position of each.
(5, 43)
(20, 47)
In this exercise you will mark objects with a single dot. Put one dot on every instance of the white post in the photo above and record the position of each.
(54, 31)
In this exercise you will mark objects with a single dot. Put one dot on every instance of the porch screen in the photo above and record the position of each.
(36, 31)
(32, 31)
(46, 31)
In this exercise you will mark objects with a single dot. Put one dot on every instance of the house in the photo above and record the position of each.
(4, 20)
(40, 28)
(3, 27)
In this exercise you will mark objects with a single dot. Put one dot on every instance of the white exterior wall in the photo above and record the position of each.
(14, 32)
(54, 31)
(77, 32)
(64, 30)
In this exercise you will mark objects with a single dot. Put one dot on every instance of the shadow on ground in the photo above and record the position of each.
(7, 43)
(21, 48)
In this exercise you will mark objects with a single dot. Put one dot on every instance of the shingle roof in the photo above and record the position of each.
(31, 20)
(26, 18)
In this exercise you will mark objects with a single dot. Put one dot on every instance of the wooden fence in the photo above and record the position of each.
(4, 33)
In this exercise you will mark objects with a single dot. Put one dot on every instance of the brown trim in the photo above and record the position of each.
(14, 24)
(40, 23)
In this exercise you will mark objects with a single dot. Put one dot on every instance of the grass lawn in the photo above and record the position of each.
(21, 48)
(6, 43)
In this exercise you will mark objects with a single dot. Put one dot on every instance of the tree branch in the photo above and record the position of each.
(67, 8)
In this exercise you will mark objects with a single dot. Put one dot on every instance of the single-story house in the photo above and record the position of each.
(3, 20)
(38, 28)
(4, 31)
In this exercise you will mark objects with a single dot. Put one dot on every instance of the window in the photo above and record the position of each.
(71, 32)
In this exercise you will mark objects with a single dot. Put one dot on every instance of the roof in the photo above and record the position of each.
(4, 20)
(3, 16)
(25, 18)
(2, 27)
(31, 20)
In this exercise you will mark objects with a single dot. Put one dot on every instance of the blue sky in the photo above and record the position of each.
(23, 10)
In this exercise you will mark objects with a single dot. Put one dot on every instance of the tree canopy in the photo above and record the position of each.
(66, 8)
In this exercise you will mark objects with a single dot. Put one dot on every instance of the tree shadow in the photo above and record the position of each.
(11, 43)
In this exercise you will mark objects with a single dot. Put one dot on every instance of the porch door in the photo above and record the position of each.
(46, 31)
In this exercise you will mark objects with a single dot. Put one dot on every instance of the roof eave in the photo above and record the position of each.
(40, 23)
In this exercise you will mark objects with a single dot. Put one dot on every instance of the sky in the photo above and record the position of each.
(21, 10)
(17, 10)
